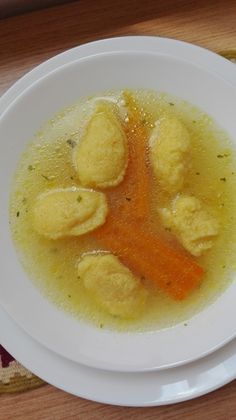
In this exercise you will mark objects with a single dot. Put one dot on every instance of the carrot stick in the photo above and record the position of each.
(172, 270)
(133, 192)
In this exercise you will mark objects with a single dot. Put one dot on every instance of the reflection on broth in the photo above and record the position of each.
(123, 210)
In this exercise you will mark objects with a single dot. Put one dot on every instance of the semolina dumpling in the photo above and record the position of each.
(169, 149)
(192, 224)
(68, 212)
(100, 157)
(112, 285)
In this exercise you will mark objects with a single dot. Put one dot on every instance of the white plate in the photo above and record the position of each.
(183, 77)
(127, 389)
(214, 372)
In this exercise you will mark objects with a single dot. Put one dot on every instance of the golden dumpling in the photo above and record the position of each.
(169, 149)
(69, 212)
(192, 224)
(112, 285)
(100, 157)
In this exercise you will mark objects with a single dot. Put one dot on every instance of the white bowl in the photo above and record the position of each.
(74, 339)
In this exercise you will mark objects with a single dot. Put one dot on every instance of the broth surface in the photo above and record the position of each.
(52, 264)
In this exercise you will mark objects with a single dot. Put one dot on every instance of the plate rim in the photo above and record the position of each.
(109, 378)
(30, 77)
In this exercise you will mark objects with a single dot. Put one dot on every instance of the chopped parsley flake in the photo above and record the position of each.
(223, 155)
(18, 214)
(31, 167)
(79, 198)
(45, 177)
(223, 179)
(72, 143)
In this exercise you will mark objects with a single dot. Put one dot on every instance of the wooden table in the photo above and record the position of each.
(26, 41)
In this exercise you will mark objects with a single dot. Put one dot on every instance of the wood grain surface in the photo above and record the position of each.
(17, 7)
(26, 41)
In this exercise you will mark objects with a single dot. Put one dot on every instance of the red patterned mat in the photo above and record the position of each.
(13, 376)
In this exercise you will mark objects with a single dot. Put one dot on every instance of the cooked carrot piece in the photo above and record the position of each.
(133, 192)
(172, 270)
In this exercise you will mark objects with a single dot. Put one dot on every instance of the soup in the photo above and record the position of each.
(123, 210)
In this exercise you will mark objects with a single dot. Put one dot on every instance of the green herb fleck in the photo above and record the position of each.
(72, 143)
(24, 200)
(69, 296)
(185, 324)
(223, 179)
(78, 277)
(31, 167)
(18, 214)
(171, 104)
(197, 173)
(223, 155)
(101, 325)
(45, 177)
(72, 178)
(194, 121)
(223, 266)
(79, 198)
(232, 173)
(168, 229)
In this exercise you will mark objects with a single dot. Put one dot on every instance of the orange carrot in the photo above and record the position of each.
(172, 270)
(133, 192)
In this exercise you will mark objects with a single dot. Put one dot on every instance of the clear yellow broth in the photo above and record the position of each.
(52, 264)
